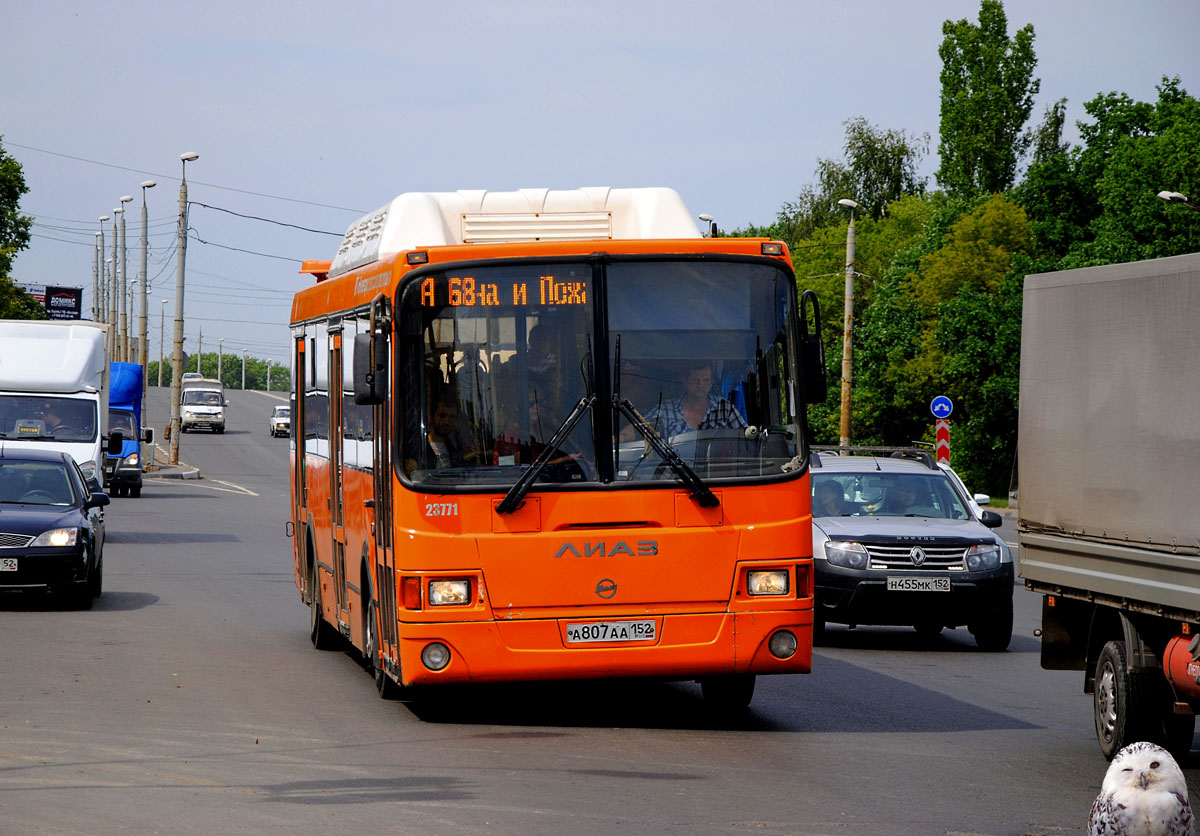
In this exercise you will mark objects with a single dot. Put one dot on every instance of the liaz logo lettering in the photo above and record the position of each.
(644, 548)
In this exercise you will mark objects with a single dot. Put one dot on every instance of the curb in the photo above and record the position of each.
(194, 473)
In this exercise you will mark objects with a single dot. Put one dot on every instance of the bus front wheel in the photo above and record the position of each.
(731, 692)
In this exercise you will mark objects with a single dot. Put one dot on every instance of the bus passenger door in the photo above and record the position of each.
(299, 477)
(337, 518)
(385, 560)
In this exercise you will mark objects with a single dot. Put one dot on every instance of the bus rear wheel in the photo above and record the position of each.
(728, 693)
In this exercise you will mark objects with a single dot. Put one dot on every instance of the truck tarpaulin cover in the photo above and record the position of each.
(125, 389)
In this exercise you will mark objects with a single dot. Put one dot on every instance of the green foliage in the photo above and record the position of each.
(231, 371)
(15, 303)
(987, 95)
(14, 227)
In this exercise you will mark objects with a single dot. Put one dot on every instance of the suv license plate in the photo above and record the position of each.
(905, 584)
(611, 631)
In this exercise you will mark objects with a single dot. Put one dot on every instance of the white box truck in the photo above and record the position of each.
(202, 405)
(1109, 474)
(54, 389)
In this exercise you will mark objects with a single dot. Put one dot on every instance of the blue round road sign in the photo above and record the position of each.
(941, 407)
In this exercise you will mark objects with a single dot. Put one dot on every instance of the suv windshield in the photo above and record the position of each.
(697, 352)
(882, 494)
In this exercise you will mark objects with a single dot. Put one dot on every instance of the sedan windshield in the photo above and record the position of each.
(35, 483)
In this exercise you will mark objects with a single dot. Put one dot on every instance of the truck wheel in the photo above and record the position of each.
(1123, 702)
(135, 491)
(993, 630)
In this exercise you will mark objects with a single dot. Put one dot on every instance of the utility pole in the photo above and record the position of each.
(177, 348)
(96, 277)
(848, 325)
(113, 290)
(143, 347)
(124, 351)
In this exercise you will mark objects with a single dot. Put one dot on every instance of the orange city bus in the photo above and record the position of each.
(555, 435)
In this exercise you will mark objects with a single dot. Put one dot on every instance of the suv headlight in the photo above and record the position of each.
(57, 537)
(849, 555)
(982, 557)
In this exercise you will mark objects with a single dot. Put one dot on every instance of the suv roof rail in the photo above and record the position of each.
(915, 453)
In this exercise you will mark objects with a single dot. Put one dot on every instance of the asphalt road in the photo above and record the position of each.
(190, 701)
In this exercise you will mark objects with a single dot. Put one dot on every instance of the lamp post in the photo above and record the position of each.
(847, 325)
(177, 347)
(1176, 197)
(243, 370)
(220, 356)
(98, 249)
(125, 320)
(268, 374)
(100, 304)
(114, 290)
(143, 348)
(162, 337)
(199, 350)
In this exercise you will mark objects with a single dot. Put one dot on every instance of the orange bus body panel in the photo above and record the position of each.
(544, 566)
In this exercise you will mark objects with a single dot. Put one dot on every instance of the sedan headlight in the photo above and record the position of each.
(57, 538)
(442, 593)
(849, 555)
(983, 557)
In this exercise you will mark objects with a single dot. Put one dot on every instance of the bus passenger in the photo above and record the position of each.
(441, 450)
(697, 408)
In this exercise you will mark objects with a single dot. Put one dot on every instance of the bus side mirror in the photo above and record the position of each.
(370, 367)
(812, 351)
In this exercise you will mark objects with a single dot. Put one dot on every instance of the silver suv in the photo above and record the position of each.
(897, 541)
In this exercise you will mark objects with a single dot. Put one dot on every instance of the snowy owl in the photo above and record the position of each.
(1144, 794)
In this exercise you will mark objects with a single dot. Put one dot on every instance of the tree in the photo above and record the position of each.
(880, 168)
(14, 237)
(987, 95)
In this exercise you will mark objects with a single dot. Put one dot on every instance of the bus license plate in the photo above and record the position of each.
(610, 631)
(8, 564)
(897, 584)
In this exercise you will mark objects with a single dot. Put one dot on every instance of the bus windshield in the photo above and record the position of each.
(698, 353)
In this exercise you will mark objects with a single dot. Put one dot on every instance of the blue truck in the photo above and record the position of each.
(123, 470)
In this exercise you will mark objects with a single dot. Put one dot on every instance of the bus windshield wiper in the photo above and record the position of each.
(698, 490)
(516, 494)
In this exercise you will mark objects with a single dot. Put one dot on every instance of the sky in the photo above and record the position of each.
(307, 115)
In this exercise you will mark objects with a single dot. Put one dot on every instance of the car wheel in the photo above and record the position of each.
(729, 693)
(993, 629)
(320, 631)
(96, 578)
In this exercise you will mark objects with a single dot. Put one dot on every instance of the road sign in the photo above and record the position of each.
(941, 407)
(942, 448)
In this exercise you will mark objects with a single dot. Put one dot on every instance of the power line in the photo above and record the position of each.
(264, 220)
(170, 177)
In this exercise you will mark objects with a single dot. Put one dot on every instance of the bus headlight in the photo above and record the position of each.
(447, 593)
(767, 582)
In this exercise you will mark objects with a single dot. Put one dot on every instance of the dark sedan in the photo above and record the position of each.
(51, 527)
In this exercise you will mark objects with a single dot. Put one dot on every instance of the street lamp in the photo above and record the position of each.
(124, 281)
(162, 337)
(1176, 197)
(220, 356)
(102, 304)
(847, 324)
(142, 274)
(243, 370)
(99, 251)
(177, 347)
(114, 290)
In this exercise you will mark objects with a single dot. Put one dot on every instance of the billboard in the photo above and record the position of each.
(63, 302)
